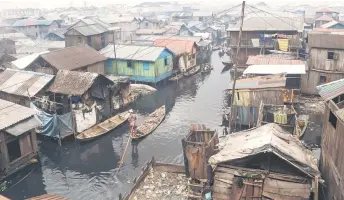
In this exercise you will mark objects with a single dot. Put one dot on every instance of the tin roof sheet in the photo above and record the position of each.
(87, 30)
(326, 39)
(74, 57)
(23, 83)
(260, 82)
(11, 113)
(329, 24)
(331, 90)
(25, 61)
(268, 60)
(176, 45)
(133, 52)
(32, 22)
(324, 18)
(269, 23)
(275, 69)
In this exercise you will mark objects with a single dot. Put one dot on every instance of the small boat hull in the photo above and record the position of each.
(192, 71)
(102, 128)
(151, 123)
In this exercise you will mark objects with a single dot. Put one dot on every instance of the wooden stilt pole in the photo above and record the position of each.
(236, 66)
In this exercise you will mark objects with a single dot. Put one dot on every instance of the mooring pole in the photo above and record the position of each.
(235, 67)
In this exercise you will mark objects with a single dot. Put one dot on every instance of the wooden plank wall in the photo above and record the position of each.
(332, 163)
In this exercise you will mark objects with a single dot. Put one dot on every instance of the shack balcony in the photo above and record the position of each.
(247, 43)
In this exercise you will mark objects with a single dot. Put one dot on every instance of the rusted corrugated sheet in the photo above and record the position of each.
(11, 113)
(48, 197)
(274, 81)
(177, 46)
(23, 83)
(72, 58)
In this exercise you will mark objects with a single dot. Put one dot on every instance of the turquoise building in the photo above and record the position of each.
(141, 63)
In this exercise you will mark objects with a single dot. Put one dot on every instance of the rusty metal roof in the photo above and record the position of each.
(11, 113)
(260, 82)
(269, 60)
(48, 197)
(324, 18)
(23, 83)
(331, 90)
(178, 46)
(74, 57)
(73, 82)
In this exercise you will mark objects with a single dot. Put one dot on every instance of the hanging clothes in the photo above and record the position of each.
(283, 44)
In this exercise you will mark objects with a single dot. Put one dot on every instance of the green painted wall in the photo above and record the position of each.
(156, 68)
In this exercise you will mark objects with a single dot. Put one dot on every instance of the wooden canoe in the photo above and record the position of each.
(176, 77)
(193, 71)
(103, 128)
(208, 70)
(151, 123)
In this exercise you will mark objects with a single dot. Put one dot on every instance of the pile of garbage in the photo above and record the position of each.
(162, 185)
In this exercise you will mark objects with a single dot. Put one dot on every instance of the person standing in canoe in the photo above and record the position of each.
(132, 122)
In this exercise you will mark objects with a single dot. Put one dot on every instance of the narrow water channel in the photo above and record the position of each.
(88, 171)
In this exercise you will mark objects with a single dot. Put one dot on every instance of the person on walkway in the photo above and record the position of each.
(132, 123)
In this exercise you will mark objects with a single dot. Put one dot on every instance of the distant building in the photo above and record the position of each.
(35, 28)
(18, 138)
(264, 33)
(327, 12)
(332, 135)
(202, 16)
(185, 51)
(75, 58)
(141, 63)
(95, 35)
(161, 31)
(127, 24)
(56, 35)
(322, 20)
(147, 23)
(333, 25)
(7, 46)
(326, 58)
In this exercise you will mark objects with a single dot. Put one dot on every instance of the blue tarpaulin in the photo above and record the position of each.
(53, 125)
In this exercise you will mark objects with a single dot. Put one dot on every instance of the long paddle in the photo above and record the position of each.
(125, 150)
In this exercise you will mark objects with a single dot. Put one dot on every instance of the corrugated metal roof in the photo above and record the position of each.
(269, 23)
(32, 22)
(328, 25)
(326, 10)
(25, 61)
(74, 57)
(340, 113)
(324, 18)
(268, 60)
(48, 197)
(151, 31)
(88, 30)
(275, 81)
(23, 83)
(73, 82)
(59, 32)
(177, 46)
(325, 39)
(275, 69)
(11, 113)
(133, 52)
(331, 90)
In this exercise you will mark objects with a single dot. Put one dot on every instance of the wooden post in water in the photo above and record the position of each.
(236, 66)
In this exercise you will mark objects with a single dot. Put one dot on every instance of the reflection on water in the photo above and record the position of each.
(88, 171)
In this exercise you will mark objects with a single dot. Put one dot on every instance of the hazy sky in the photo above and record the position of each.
(65, 3)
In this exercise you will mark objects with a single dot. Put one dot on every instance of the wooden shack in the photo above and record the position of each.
(18, 144)
(331, 162)
(264, 163)
(198, 146)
